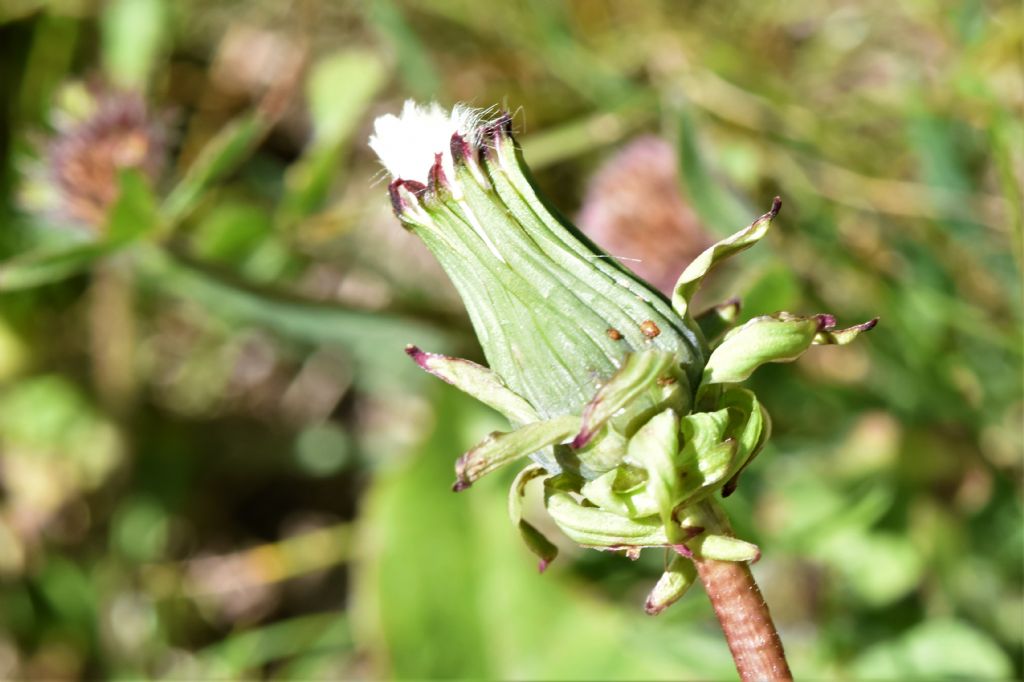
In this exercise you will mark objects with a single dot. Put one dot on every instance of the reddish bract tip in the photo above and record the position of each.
(417, 355)
(542, 565)
(436, 178)
(866, 326)
(683, 550)
(460, 485)
(653, 609)
(460, 148)
(397, 203)
(581, 439)
(776, 206)
(826, 321)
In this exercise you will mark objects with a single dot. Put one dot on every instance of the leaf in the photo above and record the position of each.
(221, 155)
(339, 90)
(499, 448)
(132, 216)
(415, 63)
(50, 265)
(134, 35)
(693, 276)
(477, 381)
(373, 339)
(534, 539)
(940, 648)
(717, 207)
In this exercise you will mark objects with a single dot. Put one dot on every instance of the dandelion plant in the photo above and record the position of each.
(627, 406)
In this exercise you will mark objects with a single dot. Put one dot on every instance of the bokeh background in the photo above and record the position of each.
(216, 462)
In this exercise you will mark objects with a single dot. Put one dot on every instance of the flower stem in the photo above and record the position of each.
(742, 612)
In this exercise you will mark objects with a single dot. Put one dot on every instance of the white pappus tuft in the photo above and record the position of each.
(407, 144)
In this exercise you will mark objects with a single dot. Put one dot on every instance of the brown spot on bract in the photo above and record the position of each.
(649, 329)
(614, 334)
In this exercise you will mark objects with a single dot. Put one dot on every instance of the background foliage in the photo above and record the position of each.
(216, 462)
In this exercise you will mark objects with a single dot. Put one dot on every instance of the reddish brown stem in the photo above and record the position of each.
(743, 615)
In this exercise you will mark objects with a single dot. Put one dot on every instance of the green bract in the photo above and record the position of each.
(624, 403)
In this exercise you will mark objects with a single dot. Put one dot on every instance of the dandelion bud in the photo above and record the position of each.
(632, 420)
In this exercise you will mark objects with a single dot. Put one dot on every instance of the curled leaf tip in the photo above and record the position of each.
(774, 210)
(460, 485)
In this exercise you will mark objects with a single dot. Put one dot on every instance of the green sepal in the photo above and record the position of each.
(656, 447)
(476, 381)
(535, 541)
(679, 576)
(718, 319)
(750, 426)
(615, 492)
(500, 448)
(600, 529)
(781, 337)
(693, 276)
(769, 338)
(723, 548)
(648, 381)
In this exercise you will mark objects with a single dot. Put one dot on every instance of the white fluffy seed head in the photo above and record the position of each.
(407, 144)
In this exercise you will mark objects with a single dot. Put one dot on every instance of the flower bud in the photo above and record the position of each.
(632, 420)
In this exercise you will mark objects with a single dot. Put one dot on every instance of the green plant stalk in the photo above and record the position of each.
(742, 612)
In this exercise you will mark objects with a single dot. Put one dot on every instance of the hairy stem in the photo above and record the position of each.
(742, 612)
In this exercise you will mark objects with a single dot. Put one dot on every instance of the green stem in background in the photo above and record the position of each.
(741, 611)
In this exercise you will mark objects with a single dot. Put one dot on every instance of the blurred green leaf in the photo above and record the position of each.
(223, 153)
(720, 210)
(936, 649)
(50, 265)
(452, 592)
(244, 654)
(374, 340)
(134, 35)
(131, 217)
(134, 214)
(415, 64)
(339, 90)
(140, 529)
